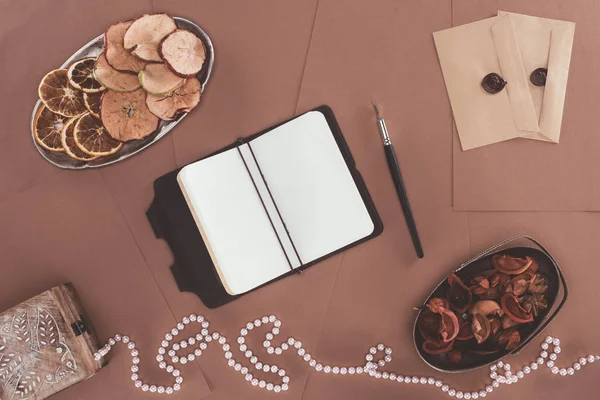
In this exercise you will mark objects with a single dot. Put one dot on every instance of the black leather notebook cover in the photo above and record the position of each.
(193, 268)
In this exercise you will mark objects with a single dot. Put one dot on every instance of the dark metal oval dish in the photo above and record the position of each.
(557, 288)
(93, 49)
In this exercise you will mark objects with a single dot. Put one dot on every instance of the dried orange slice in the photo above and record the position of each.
(92, 103)
(47, 127)
(81, 76)
(182, 100)
(93, 138)
(126, 115)
(59, 96)
(68, 142)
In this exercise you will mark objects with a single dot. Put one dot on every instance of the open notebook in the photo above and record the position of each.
(275, 203)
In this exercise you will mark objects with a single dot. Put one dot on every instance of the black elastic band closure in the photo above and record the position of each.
(275, 204)
(265, 207)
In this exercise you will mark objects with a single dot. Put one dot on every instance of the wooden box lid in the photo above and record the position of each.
(46, 345)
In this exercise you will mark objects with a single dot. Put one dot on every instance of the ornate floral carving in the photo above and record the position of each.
(28, 338)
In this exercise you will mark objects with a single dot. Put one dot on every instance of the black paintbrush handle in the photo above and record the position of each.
(390, 155)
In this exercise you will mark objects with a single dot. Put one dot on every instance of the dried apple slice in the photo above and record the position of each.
(126, 115)
(47, 129)
(69, 144)
(116, 55)
(92, 103)
(145, 33)
(113, 79)
(93, 139)
(59, 96)
(159, 80)
(183, 52)
(81, 76)
(182, 100)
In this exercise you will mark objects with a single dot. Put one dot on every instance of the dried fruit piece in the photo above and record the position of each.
(437, 305)
(511, 265)
(428, 325)
(519, 284)
(69, 144)
(479, 285)
(184, 53)
(159, 80)
(486, 307)
(512, 308)
(533, 268)
(47, 127)
(499, 280)
(508, 322)
(93, 139)
(448, 323)
(534, 303)
(510, 339)
(495, 325)
(81, 76)
(448, 326)
(182, 100)
(116, 55)
(113, 79)
(538, 286)
(454, 356)
(59, 96)
(459, 296)
(481, 327)
(126, 116)
(434, 348)
(465, 332)
(145, 33)
(92, 103)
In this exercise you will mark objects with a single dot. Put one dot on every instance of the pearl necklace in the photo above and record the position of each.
(376, 358)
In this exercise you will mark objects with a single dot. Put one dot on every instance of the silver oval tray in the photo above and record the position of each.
(93, 49)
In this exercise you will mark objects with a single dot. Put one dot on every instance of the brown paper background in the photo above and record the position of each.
(274, 60)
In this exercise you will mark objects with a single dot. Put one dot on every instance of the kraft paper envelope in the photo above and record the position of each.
(512, 46)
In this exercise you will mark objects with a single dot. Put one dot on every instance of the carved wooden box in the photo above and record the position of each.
(46, 345)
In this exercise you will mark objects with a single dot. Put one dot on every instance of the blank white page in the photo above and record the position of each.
(312, 186)
(232, 222)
